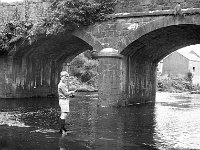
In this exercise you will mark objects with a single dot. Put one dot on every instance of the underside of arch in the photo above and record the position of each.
(159, 43)
(158, 38)
(36, 67)
(54, 47)
(151, 46)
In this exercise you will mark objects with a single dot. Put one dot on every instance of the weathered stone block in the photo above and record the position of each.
(100, 34)
(145, 2)
(177, 1)
(110, 34)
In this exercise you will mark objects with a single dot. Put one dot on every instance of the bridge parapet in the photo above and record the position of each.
(124, 28)
(152, 5)
(38, 9)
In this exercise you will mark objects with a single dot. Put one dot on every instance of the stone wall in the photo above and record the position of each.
(24, 78)
(152, 5)
(142, 81)
(38, 9)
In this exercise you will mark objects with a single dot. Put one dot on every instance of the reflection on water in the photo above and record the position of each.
(172, 123)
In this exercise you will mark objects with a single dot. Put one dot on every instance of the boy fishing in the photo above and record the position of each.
(64, 94)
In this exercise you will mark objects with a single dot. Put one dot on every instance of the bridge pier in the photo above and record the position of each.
(125, 80)
(110, 78)
(141, 81)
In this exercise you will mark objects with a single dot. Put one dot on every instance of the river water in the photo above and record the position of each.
(173, 122)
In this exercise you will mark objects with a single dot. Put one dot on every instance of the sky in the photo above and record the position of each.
(189, 48)
(10, 1)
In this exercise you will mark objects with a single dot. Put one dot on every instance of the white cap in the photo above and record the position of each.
(64, 73)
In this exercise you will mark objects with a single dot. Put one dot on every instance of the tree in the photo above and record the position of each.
(71, 14)
(63, 15)
(84, 68)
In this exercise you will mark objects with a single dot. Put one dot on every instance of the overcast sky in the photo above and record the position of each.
(189, 48)
(10, 1)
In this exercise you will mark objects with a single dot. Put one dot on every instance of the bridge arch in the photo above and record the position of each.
(35, 68)
(87, 36)
(163, 36)
(149, 44)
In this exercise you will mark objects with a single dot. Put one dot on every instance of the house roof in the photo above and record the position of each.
(190, 54)
(197, 51)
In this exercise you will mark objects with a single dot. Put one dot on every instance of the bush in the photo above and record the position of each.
(84, 68)
(174, 83)
(69, 15)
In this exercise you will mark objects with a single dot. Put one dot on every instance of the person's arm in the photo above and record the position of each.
(65, 90)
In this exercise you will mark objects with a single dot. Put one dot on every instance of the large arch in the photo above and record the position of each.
(35, 68)
(154, 30)
(150, 43)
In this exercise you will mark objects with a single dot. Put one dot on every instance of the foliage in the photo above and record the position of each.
(68, 15)
(76, 67)
(76, 84)
(174, 83)
(65, 15)
(189, 76)
(89, 72)
(84, 68)
(11, 34)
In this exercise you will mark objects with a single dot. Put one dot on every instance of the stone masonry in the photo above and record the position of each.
(152, 5)
(142, 31)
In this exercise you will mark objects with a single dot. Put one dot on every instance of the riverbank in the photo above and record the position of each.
(176, 84)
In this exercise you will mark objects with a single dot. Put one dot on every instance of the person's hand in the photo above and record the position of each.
(72, 92)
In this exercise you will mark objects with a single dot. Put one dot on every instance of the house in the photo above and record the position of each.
(182, 62)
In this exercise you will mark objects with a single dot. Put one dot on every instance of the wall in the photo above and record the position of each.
(196, 73)
(20, 78)
(151, 5)
(142, 80)
(175, 63)
(6, 86)
(38, 9)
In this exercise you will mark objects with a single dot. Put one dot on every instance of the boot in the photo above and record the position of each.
(62, 126)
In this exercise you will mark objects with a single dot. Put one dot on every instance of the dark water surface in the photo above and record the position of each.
(32, 124)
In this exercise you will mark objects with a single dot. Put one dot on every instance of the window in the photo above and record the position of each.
(193, 69)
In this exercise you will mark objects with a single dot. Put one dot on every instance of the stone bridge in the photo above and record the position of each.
(129, 46)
